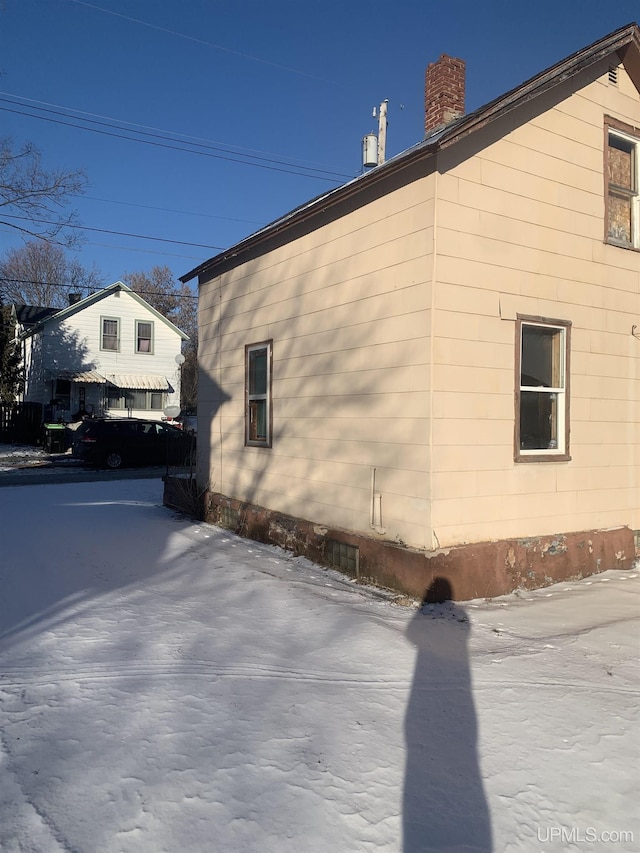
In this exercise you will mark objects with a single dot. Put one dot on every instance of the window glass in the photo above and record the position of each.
(118, 399)
(144, 334)
(110, 334)
(538, 421)
(258, 382)
(63, 393)
(138, 399)
(258, 371)
(115, 400)
(258, 420)
(541, 362)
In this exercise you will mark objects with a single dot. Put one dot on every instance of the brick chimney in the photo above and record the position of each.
(443, 92)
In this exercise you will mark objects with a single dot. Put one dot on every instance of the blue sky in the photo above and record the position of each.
(285, 85)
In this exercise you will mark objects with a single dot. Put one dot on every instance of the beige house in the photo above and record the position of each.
(434, 370)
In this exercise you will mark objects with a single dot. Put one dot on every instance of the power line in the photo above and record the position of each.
(117, 233)
(276, 165)
(143, 251)
(169, 210)
(128, 248)
(93, 288)
(203, 42)
(240, 149)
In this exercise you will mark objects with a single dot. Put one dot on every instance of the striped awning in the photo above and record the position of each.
(138, 381)
(88, 377)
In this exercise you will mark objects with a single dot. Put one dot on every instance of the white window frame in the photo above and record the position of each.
(124, 400)
(147, 397)
(560, 393)
(253, 398)
(150, 339)
(104, 320)
(632, 194)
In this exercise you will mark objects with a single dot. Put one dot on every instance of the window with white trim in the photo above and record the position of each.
(144, 336)
(258, 358)
(146, 399)
(120, 399)
(542, 391)
(110, 334)
(623, 192)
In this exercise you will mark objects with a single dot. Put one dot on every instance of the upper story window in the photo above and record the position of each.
(110, 334)
(258, 394)
(542, 390)
(144, 336)
(623, 193)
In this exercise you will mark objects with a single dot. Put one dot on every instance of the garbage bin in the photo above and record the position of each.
(54, 439)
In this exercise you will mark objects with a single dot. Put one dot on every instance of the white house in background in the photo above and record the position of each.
(109, 354)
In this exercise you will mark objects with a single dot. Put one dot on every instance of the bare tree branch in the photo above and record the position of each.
(27, 188)
(40, 273)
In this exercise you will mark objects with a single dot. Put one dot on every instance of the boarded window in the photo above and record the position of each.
(622, 199)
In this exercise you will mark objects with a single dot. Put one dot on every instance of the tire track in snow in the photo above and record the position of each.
(201, 669)
(19, 676)
(20, 818)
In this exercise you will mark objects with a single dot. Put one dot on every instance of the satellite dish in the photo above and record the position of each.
(172, 411)
(179, 359)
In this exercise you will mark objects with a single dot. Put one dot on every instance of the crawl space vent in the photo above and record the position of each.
(229, 518)
(342, 556)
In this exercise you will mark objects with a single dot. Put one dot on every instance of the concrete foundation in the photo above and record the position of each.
(479, 570)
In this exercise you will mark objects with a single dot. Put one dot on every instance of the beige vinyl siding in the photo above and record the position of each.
(511, 223)
(533, 244)
(347, 307)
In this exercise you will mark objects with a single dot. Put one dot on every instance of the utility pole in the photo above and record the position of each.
(382, 132)
(373, 147)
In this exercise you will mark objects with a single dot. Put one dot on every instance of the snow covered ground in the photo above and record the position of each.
(22, 456)
(166, 686)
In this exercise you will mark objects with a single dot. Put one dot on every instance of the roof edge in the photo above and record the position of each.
(308, 209)
(617, 41)
(69, 310)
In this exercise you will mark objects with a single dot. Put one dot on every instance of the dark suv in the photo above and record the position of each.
(114, 442)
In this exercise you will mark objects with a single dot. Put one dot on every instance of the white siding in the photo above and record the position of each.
(74, 344)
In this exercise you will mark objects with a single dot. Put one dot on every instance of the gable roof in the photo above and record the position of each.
(59, 314)
(625, 42)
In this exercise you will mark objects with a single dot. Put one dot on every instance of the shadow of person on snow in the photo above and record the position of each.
(444, 806)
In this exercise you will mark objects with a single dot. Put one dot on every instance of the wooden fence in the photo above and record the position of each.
(21, 423)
